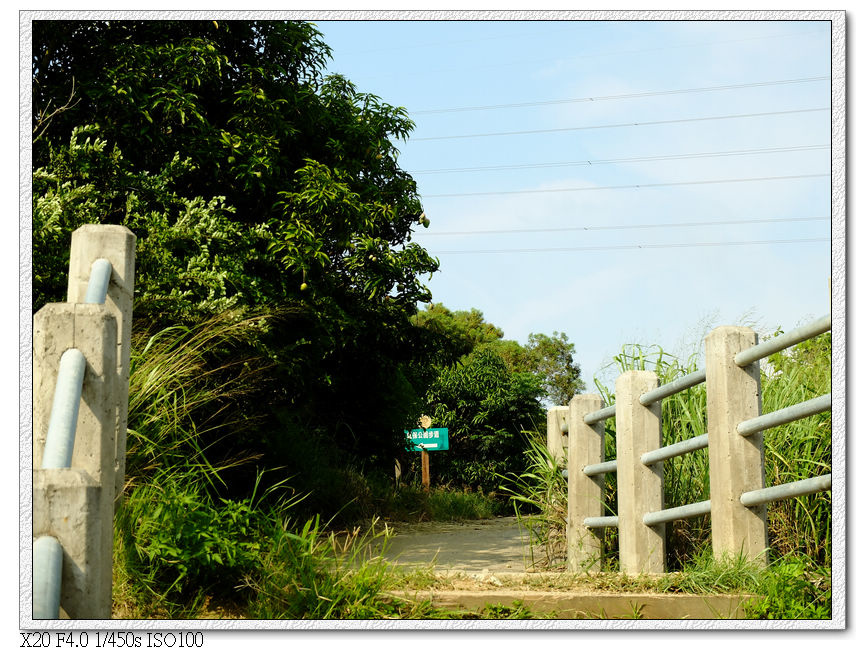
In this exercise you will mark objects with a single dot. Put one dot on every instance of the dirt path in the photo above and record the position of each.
(497, 545)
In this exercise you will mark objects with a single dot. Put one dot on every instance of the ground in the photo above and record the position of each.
(494, 545)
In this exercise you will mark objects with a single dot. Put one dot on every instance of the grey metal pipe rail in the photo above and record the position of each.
(60, 437)
(47, 569)
(785, 415)
(680, 384)
(682, 512)
(762, 350)
(676, 449)
(601, 522)
(602, 414)
(601, 468)
(97, 286)
(787, 490)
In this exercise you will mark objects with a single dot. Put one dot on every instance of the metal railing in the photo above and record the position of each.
(751, 498)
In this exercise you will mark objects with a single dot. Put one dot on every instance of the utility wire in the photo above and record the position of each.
(654, 93)
(623, 227)
(613, 126)
(628, 187)
(630, 246)
(584, 163)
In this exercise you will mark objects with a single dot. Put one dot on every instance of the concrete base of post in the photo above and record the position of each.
(67, 505)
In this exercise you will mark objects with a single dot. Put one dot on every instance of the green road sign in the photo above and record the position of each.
(428, 439)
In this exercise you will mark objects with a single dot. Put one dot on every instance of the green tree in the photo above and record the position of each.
(552, 359)
(252, 181)
(306, 160)
(453, 334)
(487, 408)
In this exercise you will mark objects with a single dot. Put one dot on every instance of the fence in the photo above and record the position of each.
(738, 496)
(80, 402)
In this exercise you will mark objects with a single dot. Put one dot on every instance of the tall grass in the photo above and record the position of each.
(540, 500)
(308, 574)
(183, 538)
(176, 538)
(798, 527)
(185, 541)
(185, 387)
(800, 449)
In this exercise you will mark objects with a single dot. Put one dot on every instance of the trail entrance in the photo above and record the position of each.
(497, 545)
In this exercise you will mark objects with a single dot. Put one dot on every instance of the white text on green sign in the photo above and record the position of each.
(428, 439)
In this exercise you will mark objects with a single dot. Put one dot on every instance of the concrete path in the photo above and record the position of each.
(486, 563)
(497, 545)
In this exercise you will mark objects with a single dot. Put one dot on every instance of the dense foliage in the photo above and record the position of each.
(251, 181)
(278, 352)
(489, 391)
(799, 528)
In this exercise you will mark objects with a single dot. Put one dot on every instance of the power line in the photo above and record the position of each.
(613, 126)
(630, 246)
(584, 163)
(654, 93)
(625, 227)
(628, 187)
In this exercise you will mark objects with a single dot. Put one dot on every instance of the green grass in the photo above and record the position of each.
(184, 549)
(540, 501)
(411, 503)
(795, 451)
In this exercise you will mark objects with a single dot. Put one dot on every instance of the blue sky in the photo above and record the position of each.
(612, 105)
(603, 298)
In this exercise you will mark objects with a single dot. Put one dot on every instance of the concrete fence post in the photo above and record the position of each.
(585, 493)
(640, 488)
(117, 245)
(735, 461)
(76, 505)
(557, 436)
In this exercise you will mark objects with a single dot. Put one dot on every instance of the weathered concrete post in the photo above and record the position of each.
(117, 245)
(585, 493)
(76, 505)
(735, 461)
(557, 433)
(641, 488)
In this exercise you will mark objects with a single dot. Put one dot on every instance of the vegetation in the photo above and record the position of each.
(278, 350)
(252, 182)
(799, 529)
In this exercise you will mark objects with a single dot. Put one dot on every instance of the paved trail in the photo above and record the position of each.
(498, 545)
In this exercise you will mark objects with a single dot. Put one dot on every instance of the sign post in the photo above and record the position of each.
(426, 440)
(424, 462)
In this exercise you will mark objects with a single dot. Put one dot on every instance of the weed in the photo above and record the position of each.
(793, 587)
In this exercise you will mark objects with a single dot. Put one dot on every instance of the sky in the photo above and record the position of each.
(617, 181)
(607, 293)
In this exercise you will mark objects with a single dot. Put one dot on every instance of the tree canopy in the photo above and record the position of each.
(256, 183)
(251, 181)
